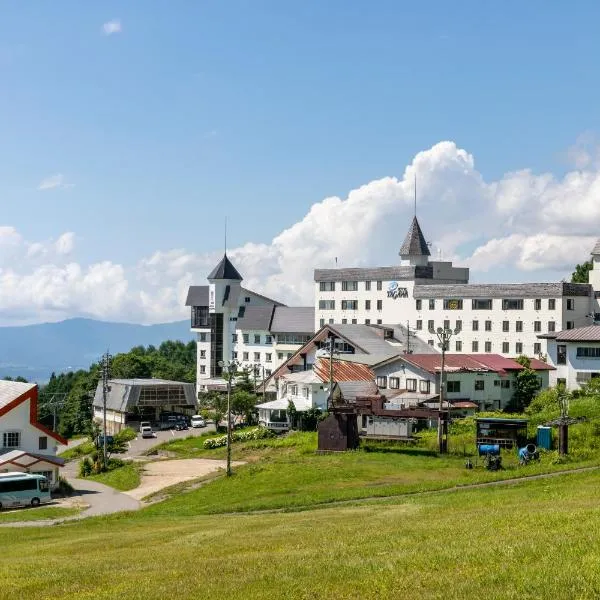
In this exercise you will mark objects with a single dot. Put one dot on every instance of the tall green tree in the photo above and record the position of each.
(582, 272)
(527, 386)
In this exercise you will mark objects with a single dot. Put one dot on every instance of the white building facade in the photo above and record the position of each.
(27, 446)
(233, 323)
(501, 319)
(576, 355)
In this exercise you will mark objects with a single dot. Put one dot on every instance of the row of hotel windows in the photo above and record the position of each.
(284, 338)
(425, 385)
(347, 286)
(487, 347)
(348, 304)
(537, 325)
(256, 356)
(345, 322)
(507, 304)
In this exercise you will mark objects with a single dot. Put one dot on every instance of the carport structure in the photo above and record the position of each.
(130, 401)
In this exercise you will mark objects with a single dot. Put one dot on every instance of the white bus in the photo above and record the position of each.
(23, 489)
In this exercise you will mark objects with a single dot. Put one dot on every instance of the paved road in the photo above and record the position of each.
(140, 445)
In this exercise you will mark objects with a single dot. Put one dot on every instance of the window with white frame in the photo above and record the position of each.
(349, 304)
(551, 325)
(305, 391)
(588, 352)
(488, 325)
(505, 326)
(537, 348)
(519, 347)
(379, 304)
(424, 386)
(294, 390)
(518, 326)
(481, 304)
(326, 304)
(474, 346)
(505, 347)
(430, 324)
(570, 303)
(245, 356)
(379, 286)
(202, 353)
(268, 339)
(349, 286)
(552, 304)
(246, 337)
(11, 439)
(321, 322)
(537, 326)
(537, 304)
(488, 346)
(458, 345)
(367, 286)
(202, 369)
(381, 381)
(257, 338)
(419, 325)
(280, 355)
(475, 326)
(431, 303)
(268, 357)
(512, 304)
(327, 286)
(257, 357)
(419, 303)
(411, 385)
(394, 383)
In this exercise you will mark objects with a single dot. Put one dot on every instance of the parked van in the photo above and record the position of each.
(198, 421)
(144, 424)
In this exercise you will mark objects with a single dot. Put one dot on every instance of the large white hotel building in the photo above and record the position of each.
(234, 323)
(424, 294)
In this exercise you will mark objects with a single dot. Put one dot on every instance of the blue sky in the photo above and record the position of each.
(259, 109)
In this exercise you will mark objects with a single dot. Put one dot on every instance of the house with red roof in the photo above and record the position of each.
(483, 381)
(26, 445)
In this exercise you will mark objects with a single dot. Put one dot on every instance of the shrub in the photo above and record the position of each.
(124, 436)
(86, 466)
(64, 488)
(257, 433)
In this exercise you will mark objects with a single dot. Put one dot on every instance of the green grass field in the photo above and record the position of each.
(286, 473)
(122, 478)
(523, 541)
(37, 514)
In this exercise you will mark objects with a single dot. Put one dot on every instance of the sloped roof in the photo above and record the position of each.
(342, 370)
(197, 295)
(11, 390)
(501, 290)
(256, 318)
(225, 270)
(15, 455)
(591, 333)
(350, 390)
(414, 242)
(293, 319)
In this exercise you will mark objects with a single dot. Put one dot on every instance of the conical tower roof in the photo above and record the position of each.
(414, 242)
(225, 270)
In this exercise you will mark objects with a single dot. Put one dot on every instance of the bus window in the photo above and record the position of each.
(44, 487)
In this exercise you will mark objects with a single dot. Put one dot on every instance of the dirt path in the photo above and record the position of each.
(160, 474)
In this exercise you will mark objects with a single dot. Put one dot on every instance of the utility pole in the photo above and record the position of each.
(330, 396)
(231, 368)
(443, 334)
(105, 389)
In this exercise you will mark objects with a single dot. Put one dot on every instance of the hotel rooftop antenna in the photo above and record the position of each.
(225, 235)
(415, 193)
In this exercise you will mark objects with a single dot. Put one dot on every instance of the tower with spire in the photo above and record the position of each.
(415, 250)
(594, 274)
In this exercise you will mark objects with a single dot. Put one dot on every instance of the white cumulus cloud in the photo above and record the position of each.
(54, 182)
(112, 27)
(529, 225)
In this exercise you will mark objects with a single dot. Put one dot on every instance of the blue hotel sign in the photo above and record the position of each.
(395, 291)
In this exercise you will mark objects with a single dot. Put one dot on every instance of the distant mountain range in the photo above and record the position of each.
(35, 351)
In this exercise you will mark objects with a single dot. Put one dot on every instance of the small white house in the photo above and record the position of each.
(310, 389)
(576, 355)
(487, 380)
(26, 445)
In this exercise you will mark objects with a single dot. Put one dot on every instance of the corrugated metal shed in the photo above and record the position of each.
(11, 390)
(294, 319)
(124, 394)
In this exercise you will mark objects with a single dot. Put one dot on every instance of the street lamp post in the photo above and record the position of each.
(443, 334)
(231, 368)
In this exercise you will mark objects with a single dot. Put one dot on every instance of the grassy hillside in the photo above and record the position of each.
(528, 541)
